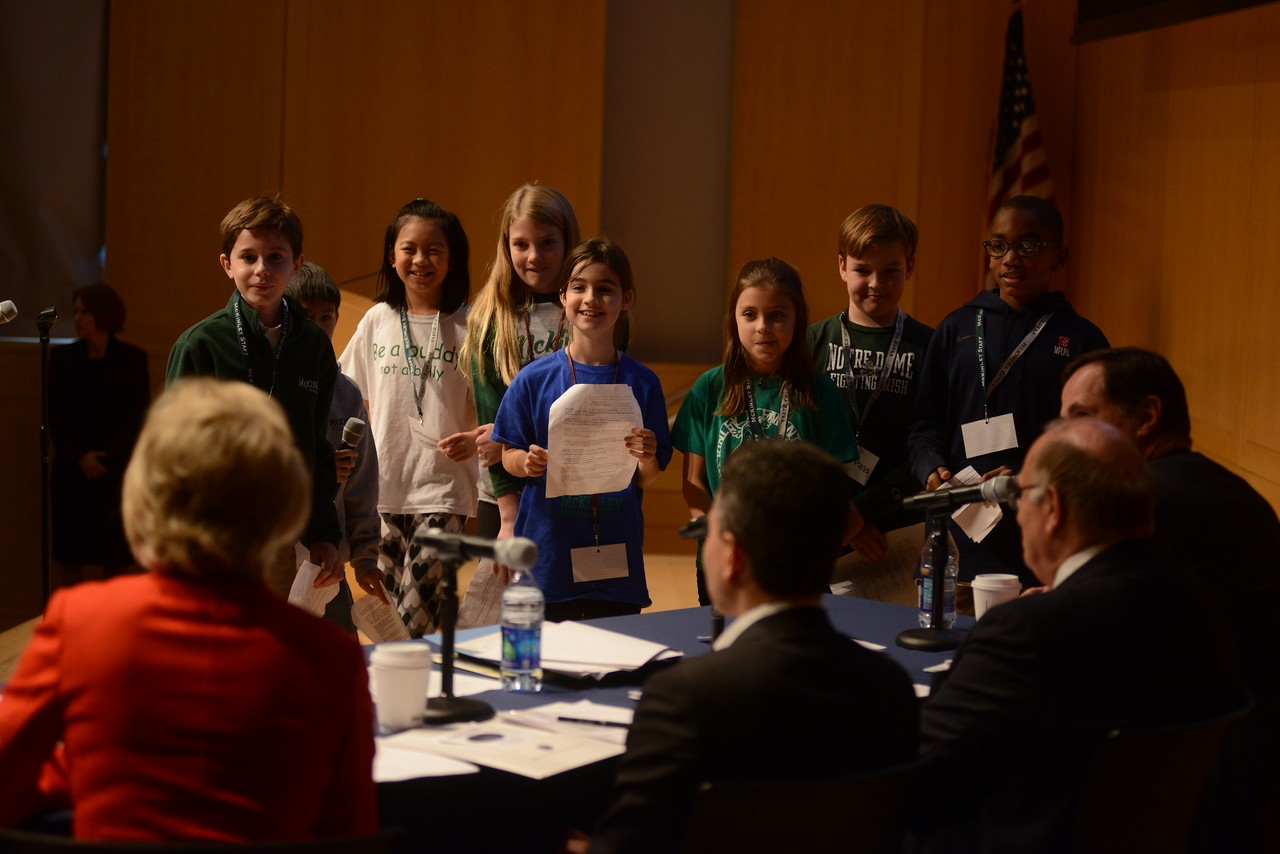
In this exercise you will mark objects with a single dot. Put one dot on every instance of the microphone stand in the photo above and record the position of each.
(935, 638)
(448, 709)
(44, 321)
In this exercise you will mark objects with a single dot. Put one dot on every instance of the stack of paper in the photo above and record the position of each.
(577, 649)
(507, 746)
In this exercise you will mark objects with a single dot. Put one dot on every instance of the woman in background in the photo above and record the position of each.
(98, 396)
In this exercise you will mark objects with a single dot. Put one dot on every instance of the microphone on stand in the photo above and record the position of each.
(516, 552)
(996, 489)
(453, 549)
(8, 311)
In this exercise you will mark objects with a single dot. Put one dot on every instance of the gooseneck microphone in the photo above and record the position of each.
(352, 433)
(516, 552)
(996, 489)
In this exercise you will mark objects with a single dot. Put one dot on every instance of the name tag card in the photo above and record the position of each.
(599, 564)
(421, 436)
(861, 468)
(987, 437)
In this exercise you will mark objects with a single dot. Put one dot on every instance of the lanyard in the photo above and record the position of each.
(528, 336)
(754, 426)
(408, 356)
(595, 499)
(244, 343)
(1008, 363)
(850, 393)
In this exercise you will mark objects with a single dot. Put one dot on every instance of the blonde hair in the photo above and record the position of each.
(491, 322)
(216, 484)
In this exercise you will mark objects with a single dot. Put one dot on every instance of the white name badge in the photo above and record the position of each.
(421, 436)
(861, 468)
(987, 437)
(599, 564)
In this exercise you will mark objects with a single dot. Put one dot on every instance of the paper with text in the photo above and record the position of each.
(306, 595)
(977, 519)
(586, 440)
(379, 622)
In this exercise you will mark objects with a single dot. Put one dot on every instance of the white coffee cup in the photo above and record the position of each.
(400, 676)
(992, 589)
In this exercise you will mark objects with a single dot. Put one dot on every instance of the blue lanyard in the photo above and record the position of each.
(244, 343)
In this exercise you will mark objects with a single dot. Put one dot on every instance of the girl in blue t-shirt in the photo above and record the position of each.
(590, 547)
(765, 389)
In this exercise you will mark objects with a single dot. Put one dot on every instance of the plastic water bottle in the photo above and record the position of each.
(522, 610)
(925, 574)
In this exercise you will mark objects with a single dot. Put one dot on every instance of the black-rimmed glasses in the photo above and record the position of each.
(1028, 248)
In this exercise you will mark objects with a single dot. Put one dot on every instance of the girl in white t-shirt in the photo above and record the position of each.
(404, 357)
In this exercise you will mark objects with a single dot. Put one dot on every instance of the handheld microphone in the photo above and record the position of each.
(8, 311)
(352, 433)
(517, 552)
(996, 489)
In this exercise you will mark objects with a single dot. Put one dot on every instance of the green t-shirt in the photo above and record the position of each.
(885, 427)
(699, 430)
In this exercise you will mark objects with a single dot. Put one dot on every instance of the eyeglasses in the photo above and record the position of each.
(1024, 248)
(1014, 501)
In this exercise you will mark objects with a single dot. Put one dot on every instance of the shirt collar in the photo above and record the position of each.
(1068, 567)
(747, 620)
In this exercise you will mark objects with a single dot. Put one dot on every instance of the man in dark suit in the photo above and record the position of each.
(1116, 639)
(1212, 523)
(783, 696)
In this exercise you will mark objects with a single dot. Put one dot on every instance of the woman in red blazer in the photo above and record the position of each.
(190, 702)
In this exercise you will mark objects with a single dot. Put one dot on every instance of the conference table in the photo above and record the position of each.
(495, 810)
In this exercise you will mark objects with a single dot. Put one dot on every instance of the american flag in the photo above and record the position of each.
(1019, 166)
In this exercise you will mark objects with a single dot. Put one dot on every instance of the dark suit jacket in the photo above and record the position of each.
(1124, 640)
(790, 699)
(191, 709)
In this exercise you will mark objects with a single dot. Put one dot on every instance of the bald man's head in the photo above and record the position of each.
(1100, 477)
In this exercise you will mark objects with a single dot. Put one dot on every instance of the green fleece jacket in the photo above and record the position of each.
(303, 385)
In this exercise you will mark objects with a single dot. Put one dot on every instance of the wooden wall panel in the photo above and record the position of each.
(193, 126)
(1177, 173)
(825, 120)
(1121, 154)
(396, 99)
(841, 104)
(1259, 345)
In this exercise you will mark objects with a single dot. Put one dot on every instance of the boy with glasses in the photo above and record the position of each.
(990, 378)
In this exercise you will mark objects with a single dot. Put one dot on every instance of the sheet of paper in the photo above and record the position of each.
(606, 723)
(508, 747)
(379, 622)
(467, 684)
(977, 519)
(482, 603)
(579, 649)
(391, 764)
(305, 595)
(586, 440)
